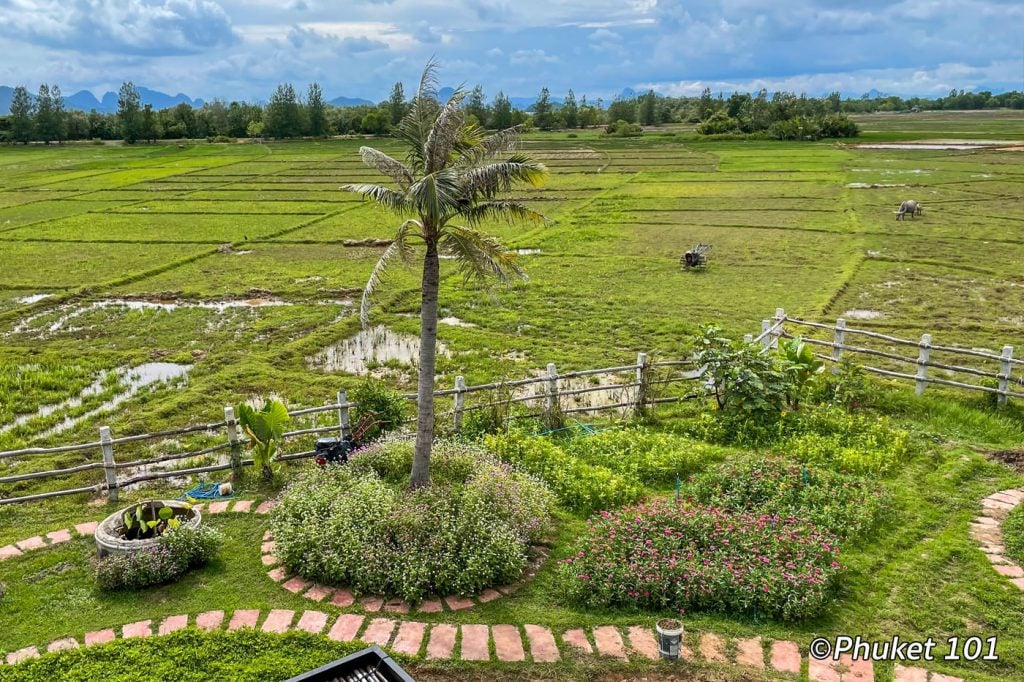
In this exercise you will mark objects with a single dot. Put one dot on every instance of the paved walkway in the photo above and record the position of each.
(987, 530)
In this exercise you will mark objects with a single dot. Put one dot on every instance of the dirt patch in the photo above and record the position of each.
(1013, 458)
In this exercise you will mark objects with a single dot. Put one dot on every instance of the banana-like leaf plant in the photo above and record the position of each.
(265, 429)
(801, 365)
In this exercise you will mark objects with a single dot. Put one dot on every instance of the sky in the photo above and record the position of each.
(240, 49)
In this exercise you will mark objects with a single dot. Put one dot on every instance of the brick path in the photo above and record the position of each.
(529, 644)
(987, 530)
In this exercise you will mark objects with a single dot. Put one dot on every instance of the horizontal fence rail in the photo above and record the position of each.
(548, 389)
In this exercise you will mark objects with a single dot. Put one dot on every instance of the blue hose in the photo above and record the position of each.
(204, 491)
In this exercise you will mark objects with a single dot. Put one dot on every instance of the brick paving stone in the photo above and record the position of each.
(296, 585)
(542, 644)
(267, 535)
(409, 637)
(609, 642)
(903, 674)
(397, 606)
(62, 644)
(142, 628)
(318, 592)
(749, 652)
(986, 521)
(642, 642)
(269, 560)
(99, 637)
(278, 620)
(312, 622)
(379, 631)
(861, 670)
(508, 643)
(9, 551)
(87, 528)
(488, 595)
(786, 657)
(998, 559)
(474, 643)
(22, 655)
(245, 618)
(712, 648)
(346, 627)
(1013, 571)
(1013, 497)
(218, 507)
(34, 542)
(209, 620)
(442, 642)
(242, 506)
(430, 606)
(371, 603)
(265, 507)
(268, 547)
(1019, 582)
(173, 624)
(278, 574)
(936, 677)
(578, 639)
(199, 507)
(823, 671)
(343, 598)
(458, 603)
(58, 536)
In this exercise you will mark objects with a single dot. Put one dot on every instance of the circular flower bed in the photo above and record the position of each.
(359, 525)
(665, 555)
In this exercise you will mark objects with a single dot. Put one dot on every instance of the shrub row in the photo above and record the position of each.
(175, 553)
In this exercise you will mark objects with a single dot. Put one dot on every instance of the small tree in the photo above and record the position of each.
(316, 110)
(265, 429)
(51, 122)
(396, 103)
(543, 116)
(501, 116)
(282, 118)
(129, 108)
(22, 111)
(570, 111)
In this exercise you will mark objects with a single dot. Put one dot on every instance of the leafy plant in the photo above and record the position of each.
(265, 429)
(380, 407)
(801, 366)
(149, 521)
(176, 552)
(846, 386)
(741, 377)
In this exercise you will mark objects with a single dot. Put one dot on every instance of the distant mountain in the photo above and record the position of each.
(83, 100)
(349, 102)
(526, 103)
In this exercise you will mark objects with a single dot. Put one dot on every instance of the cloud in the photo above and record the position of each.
(137, 27)
(532, 57)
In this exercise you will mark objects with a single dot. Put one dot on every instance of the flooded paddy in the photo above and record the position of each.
(369, 348)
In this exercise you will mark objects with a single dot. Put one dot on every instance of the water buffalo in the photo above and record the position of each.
(909, 206)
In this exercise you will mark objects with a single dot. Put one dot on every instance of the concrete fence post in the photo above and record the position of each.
(837, 344)
(642, 375)
(552, 391)
(923, 353)
(460, 401)
(234, 441)
(780, 317)
(766, 338)
(109, 470)
(343, 416)
(1004, 375)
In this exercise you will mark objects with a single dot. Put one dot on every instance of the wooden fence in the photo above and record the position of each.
(997, 368)
(549, 389)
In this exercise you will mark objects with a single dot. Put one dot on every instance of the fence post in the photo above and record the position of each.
(1004, 376)
(837, 345)
(343, 419)
(780, 316)
(766, 338)
(108, 463)
(460, 400)
(923, 353)
(552, 392)
(642, 369)
(234, 441)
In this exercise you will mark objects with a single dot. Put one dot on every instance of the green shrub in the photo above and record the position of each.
(854, 443)
(1013, 534)
(847, 506)
(175, 552)
(580, 487)
(664, 555)
(648, 456)
(375, 402)
(622, 128)
(743, 378)
(359, 525)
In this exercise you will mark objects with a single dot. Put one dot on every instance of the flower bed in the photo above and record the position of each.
(169, 557)
(847, 506)
(358, 525)
(662, 555)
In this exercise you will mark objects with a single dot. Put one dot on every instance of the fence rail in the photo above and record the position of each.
(552, 390)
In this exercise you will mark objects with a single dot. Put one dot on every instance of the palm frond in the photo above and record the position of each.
(480, 256)
(400, 248)
(438, 196)
(508, 211)
(385, 165)
(415, 126)
(500, 176)
(501, 141)
(428, 80)
(445, 132)
(384, 196)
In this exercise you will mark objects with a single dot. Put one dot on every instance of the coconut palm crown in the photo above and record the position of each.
(448, 185)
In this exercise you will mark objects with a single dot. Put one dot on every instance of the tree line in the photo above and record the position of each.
(289, 114)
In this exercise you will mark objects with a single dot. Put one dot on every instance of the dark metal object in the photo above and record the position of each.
(696, 257)
(368, 665)
(332, 451)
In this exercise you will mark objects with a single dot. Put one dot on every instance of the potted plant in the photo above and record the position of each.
(670, 637)
(137, 527)
(265, 429)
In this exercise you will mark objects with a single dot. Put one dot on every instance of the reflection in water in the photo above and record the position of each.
(375, 346)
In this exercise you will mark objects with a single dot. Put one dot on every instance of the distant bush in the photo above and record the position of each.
(718, 123)
(359, 525)
(580, 487)
(219, 139)
(661, 556)
(1013, 534)
(847, 506)
(572, 135)
(175, 553)
(622, 128)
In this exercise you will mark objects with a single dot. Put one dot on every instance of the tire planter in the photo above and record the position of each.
(110, 534)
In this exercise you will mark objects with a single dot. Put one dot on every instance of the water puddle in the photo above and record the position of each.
(582, 392)
(938, 145)
(528, 252)
(872, 185)
(455, 322)
(34, 298)
(133, 379)
(369, 348)
(858, 314)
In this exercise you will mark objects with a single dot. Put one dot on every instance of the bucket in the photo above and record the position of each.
(670, 638)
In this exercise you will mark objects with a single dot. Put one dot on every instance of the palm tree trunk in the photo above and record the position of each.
(428, 357)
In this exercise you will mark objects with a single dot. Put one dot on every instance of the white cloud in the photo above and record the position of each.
(532, 57)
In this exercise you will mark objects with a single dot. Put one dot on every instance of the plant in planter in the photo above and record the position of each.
(137, 527)
(149, 521)
(265, 429)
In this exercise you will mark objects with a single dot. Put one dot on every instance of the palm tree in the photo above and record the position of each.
(453, 172)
